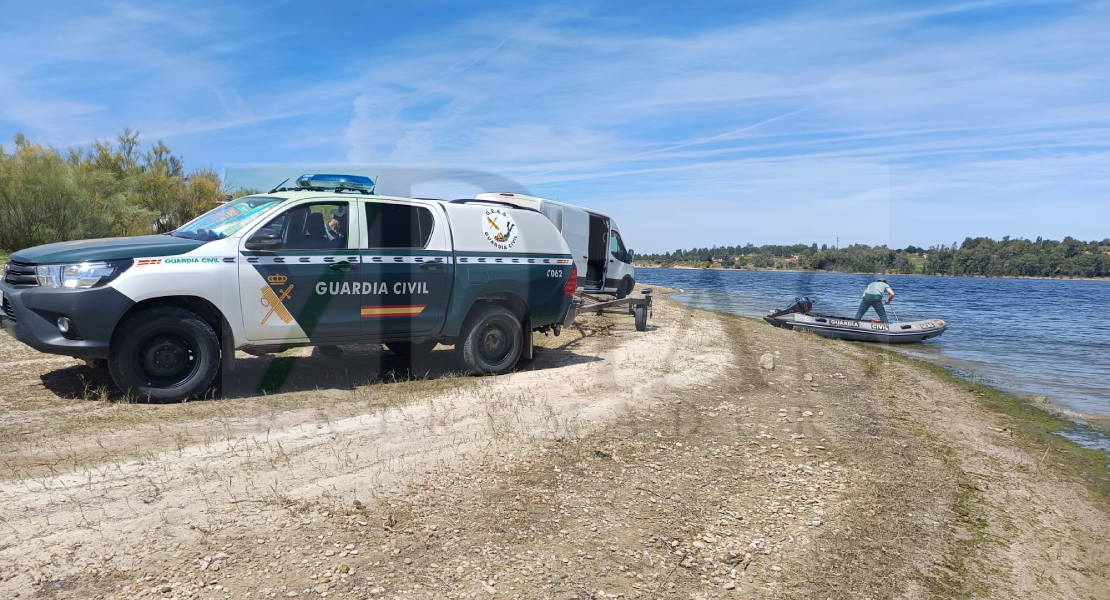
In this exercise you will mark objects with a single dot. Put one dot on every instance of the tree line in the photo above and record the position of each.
(111, 188)
(979, 256)
(115, 188)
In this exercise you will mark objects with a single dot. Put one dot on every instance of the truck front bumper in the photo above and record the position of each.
(30, 315)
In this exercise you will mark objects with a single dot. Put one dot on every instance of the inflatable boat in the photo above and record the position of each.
(798, 316)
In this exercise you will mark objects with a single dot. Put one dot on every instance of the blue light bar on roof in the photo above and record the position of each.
(331, 182)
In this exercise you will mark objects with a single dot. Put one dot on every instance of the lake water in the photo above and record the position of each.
(1029, 337)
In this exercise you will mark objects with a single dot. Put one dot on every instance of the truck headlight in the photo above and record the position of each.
(79, 276)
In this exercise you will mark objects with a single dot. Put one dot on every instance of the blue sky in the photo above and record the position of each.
(694, 124)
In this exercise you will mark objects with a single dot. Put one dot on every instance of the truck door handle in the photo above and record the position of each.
(342, 266)
(431, 265)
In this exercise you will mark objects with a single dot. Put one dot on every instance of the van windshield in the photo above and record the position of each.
(225, 220)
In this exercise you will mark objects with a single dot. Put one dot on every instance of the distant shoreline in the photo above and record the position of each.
(816, 271)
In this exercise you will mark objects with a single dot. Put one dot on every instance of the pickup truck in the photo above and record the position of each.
(316, 264)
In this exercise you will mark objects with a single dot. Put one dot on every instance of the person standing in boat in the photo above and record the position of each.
(873, 298)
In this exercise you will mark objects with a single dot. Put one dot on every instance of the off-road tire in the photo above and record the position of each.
(475, 348)
(412, 349)
(165, 354)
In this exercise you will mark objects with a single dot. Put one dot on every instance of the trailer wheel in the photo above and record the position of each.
(641, 318)
(492, 341)
(407, 348)
(166, 354)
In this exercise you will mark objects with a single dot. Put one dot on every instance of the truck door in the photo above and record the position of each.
(406, 269)
(304, 289)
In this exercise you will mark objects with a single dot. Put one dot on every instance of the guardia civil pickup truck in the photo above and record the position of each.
(325, 262)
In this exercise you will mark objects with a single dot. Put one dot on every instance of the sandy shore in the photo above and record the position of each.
(659, 464)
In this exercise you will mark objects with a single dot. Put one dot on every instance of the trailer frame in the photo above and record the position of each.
(638, 306)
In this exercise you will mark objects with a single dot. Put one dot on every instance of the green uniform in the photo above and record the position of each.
(873, 298)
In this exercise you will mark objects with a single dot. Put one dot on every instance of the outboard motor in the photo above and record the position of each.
(801, 305)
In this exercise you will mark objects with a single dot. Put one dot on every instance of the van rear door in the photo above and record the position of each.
(598, 254)
(576, 231)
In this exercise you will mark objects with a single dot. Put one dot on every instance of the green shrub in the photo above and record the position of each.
(107, 190)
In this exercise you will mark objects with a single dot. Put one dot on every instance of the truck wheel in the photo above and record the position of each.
(491, 342)
(641, 318)
(625, 288)
(166, 354)
(411, 349)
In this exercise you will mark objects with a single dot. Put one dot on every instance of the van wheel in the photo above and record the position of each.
(625, 288)
(492, 341)
(166, 354)
(411, 349)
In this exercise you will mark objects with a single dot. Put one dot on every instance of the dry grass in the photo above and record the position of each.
(78, 419)
(842, 473)
(714, 489)
(70, 417)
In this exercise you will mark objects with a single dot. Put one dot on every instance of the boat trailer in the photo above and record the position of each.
(637, 306)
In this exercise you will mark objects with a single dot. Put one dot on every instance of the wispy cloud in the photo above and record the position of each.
(986, 117)
(948, 106)
(168, 71)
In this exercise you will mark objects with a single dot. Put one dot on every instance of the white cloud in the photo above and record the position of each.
(988, 117)
(965, 119)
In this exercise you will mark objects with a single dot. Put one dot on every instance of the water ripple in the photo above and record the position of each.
(1043, 337)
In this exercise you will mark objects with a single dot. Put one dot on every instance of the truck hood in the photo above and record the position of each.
(107, 249)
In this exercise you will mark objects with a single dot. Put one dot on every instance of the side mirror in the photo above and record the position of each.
(264, 239)
(631, 255)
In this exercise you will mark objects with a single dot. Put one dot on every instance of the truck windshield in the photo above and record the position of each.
(225, 220)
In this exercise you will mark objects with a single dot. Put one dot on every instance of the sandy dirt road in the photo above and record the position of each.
(103, 508)
(619, 464)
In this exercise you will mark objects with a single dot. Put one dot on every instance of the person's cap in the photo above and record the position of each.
(882, 280)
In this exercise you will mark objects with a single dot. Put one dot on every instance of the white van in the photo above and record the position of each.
(604, 264)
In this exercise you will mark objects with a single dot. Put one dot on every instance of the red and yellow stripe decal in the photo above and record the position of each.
(148, 261)
(396, 310)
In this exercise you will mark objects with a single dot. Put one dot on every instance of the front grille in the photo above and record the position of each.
(9, 311)
(20, 274)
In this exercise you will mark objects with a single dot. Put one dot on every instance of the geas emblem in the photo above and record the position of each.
(500, 229)
(273, 300)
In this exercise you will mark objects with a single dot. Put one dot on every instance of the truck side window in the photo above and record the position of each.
(398, 225)
(616, 246)
(313, 226)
